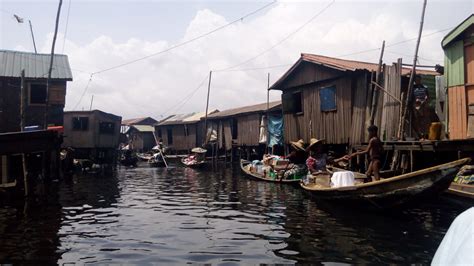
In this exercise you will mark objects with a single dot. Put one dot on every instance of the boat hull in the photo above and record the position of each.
(193, 165)
(462, 190)
(393, 191)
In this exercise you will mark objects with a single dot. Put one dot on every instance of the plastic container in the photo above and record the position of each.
(32, 128)
(59, 129)
(435, 131)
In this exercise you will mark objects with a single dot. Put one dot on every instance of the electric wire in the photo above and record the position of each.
(185, 42)
(281, 41)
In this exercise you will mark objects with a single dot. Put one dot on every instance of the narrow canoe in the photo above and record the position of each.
(395, 190)
(462, 190)
(193, 165)
(245, 163)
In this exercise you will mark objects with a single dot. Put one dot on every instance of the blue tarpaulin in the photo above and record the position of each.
(275, 130)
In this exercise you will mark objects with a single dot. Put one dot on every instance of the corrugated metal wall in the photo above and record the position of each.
(391, 107)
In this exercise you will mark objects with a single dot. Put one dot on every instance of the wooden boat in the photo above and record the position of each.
(461, 190)
(244, 165)
(157, 160)
(196, 159)
(144, 156)
(392, 191)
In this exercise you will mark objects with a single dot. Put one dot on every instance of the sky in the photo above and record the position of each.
(98, 35)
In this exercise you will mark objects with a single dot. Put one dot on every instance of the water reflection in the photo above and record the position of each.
(181, 215)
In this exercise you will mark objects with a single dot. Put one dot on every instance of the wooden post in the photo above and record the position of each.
(401, 130)
(207, 105)
(268, 113)
(22, 128)
(375, 93)
(48, 80)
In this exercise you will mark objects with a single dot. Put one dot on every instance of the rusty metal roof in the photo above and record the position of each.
(342, 65)
(35, 65)
(262, 107)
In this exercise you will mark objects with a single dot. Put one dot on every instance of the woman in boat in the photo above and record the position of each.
(316, 161)
(297, 160)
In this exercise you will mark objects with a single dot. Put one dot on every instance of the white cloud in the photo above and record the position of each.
(152, 86)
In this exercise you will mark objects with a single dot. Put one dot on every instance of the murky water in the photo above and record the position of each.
(181, 215)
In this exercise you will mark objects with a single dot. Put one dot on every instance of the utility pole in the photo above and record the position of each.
(375, 94)
(48, 81)
(22, 128)
(401, 129)
(92, 101)
(207, 103)
(32, 36)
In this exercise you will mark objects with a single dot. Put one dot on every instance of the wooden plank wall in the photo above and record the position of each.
(227, 135)
(248, 129)
(359, 109)
(308, 73)
(182, 142)
(391, 108)
(335, 126)
(457, 112)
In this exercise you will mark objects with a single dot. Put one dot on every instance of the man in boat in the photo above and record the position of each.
(316, 161)
(297, 160)
(375, 150)
(422, 114)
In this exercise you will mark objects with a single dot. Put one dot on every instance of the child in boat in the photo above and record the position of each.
(375, 150)
(297, 160)
(316, 161)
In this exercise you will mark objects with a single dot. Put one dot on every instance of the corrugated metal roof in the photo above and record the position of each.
(137, 121)
(144, 128)
(342, 65)
(186, 118)
(35, 65)
(262, 107)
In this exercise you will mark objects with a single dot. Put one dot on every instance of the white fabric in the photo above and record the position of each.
(262, 137)
(457, 247)
(342, 179)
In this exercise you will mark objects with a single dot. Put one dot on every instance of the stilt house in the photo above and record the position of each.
(243, 126)
(37, 99)
(139, 132)
(458, 48)
(331, 98)
(92, 134)
(182, 132)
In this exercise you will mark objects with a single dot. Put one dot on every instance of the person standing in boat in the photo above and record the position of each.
(297, 160)
(375, 150)
(317, 159)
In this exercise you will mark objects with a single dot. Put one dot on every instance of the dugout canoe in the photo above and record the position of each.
(244, 166)
(392, 191)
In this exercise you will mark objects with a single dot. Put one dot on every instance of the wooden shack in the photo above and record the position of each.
(458, 46)
(241, 127)
(182, 132)
(331, 98)
(92, 134)
(139, 133)
(37, 100)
